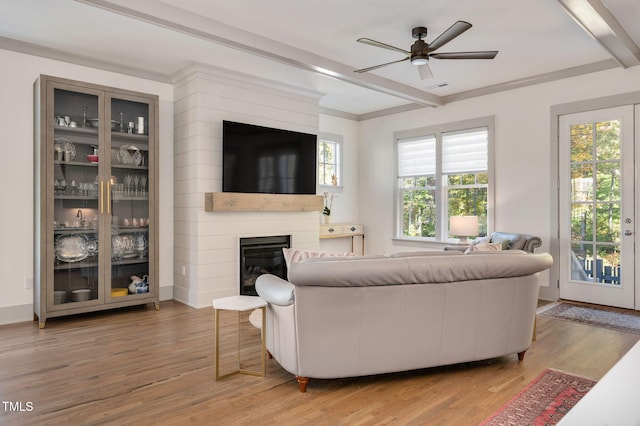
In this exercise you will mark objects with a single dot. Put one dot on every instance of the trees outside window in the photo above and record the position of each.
(443, 171)
(329, 159)
(596, 199)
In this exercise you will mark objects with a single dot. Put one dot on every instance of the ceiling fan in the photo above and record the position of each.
(421, 51)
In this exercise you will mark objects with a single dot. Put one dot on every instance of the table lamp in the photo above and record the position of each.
(463, 227)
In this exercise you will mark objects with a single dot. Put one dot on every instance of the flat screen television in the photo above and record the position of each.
(264, 160)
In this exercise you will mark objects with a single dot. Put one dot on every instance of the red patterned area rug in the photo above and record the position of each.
(593, 315)
(544, 401)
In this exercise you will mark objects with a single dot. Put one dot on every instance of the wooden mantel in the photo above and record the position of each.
(241, 202)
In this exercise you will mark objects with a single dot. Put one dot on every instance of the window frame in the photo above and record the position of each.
(442, 226)
(337, 140)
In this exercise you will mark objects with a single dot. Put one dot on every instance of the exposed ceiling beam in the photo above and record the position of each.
(594, 17)
(176, 19)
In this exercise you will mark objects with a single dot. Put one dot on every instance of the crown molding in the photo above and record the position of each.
(533, 80)
(73, 58)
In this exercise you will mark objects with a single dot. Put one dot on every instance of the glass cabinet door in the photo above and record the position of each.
(130, 184)
(76, 197)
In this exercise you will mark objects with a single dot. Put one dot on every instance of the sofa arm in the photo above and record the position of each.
(532, 243)
(275, 290)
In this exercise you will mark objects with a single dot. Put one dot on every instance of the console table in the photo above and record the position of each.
(343, 230)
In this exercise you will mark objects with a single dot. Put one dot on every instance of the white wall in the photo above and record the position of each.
(346, 204)
(522, 153)
(17, 75)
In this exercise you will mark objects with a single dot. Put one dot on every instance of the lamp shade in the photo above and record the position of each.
(463, 226)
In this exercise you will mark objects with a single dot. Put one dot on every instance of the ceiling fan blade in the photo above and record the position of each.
(488, 54)
(424, 71)
(382, 65)
(449, 34)
(383, 45)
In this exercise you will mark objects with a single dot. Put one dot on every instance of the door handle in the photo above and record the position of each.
(101, 199)
(627, 233)
(108, 185)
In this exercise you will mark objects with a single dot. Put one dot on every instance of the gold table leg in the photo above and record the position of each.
(263, 338)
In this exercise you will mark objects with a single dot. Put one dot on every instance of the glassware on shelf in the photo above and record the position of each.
(143, 184)
(128, 180)
(136, 184)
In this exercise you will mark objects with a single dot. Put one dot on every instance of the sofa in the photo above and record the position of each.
(346, 317)
(506, 241)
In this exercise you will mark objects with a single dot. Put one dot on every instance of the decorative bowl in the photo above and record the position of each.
(119, 292)
(95, 122)
(92, 158)
(81, 295)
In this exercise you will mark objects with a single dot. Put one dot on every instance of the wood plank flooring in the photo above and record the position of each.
(142, 366)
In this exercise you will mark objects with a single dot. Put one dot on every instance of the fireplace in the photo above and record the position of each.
(261, 255)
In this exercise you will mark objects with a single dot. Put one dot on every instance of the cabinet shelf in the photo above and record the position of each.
(75, 163)
(126, 167)
(64, 231)
(76, 130)
(130, 230)
(92, 262)
(119, 198)
(76, 197)
(93, 131)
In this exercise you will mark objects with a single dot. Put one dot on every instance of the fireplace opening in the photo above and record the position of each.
(261, 255)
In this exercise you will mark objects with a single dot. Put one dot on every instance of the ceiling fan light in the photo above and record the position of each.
(419, 60)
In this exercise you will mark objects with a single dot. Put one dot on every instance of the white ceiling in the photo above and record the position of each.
(312, 45)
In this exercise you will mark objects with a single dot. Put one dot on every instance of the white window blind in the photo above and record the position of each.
(417, 157)
(465, 151)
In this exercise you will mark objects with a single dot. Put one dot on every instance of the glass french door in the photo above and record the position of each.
(597, 212)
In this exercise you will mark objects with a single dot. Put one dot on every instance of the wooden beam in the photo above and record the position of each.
(241, 202)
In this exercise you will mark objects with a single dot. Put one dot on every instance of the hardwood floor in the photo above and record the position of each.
(141, 366)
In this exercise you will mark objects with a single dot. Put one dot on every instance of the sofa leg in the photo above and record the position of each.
(521, 355)
(302, 382)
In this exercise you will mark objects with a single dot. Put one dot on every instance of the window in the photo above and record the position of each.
(330, 159)
(443, 171)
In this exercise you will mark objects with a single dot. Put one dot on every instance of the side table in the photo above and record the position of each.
(240, 304)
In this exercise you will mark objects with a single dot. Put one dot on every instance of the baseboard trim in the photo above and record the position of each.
(16, 313)
(22, 313)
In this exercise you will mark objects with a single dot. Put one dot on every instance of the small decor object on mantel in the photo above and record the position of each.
(328, 203)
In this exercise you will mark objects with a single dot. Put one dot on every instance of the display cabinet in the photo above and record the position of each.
(96, 198)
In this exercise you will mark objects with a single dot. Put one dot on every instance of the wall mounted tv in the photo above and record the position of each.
(258, 159)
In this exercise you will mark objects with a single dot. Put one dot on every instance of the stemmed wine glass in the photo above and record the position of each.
(143, 184)
(127, 184)
(136, 182)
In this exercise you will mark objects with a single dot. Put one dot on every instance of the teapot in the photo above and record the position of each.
(139, 285)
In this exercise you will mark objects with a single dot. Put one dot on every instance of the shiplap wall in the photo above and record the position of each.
(207, 243)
